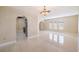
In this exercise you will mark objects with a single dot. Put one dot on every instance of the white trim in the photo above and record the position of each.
(38, 24)
(51, 17)
(7, 43)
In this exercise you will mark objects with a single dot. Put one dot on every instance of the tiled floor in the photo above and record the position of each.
(45, 42)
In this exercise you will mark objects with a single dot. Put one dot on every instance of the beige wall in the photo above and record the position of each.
(78, 23)
(70, 23)
(8, 23)
(44, 25)
(32, 23)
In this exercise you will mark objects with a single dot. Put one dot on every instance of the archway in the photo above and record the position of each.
(21, 27)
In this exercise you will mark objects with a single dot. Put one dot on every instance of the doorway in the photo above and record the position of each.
(21, 27)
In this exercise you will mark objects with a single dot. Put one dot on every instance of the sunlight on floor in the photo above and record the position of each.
(46, 41)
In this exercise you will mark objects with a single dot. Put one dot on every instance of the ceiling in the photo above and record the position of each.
(56, 11)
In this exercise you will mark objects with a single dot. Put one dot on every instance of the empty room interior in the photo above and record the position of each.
(39, 28)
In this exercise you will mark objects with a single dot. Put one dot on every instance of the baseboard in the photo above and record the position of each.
(7, 43)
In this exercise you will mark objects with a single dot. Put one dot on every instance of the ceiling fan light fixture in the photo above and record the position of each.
(45, 11)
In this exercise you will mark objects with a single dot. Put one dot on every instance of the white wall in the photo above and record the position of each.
(78, 32)
(8, 23)
(32, 20)
(32, 25)
(78, 23)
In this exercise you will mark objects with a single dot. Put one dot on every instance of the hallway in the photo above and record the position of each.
(23, 30)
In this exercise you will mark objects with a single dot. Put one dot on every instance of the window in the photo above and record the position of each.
(50, 25)
(60, 26)
(55, 26)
